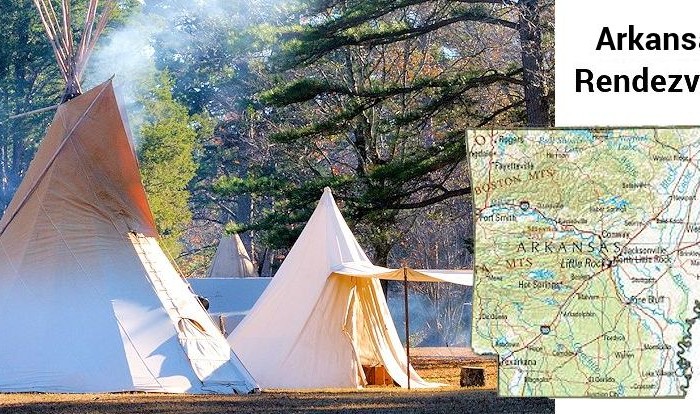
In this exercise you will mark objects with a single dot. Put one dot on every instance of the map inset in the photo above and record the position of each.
(587, 259)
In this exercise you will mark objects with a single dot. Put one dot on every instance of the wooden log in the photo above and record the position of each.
(472, 377)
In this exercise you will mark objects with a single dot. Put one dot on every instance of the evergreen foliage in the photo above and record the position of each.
(169, 139)
(371, 98)
(375, 98)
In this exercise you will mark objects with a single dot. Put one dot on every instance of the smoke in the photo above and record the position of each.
(445, 321)
(127, 55)
(128, 52)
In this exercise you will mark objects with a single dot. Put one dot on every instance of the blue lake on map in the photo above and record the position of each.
(615, 201)
(502, 341)
(550, 301)
(541, 274)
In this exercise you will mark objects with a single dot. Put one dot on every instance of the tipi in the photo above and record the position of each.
(231, 259)
(323, 316)
(90, 302)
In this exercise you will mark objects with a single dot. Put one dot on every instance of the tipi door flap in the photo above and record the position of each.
(350, 328)
(208, 352)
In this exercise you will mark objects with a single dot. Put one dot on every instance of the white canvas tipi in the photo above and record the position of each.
(231, 259)
(90, 303)
(324, 315)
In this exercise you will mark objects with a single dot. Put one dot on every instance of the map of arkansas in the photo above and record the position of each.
(587, 259)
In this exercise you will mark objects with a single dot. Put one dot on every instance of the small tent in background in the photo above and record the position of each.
(89, 301)
(231, 259)
(230, 298)
(231, 286)
(323, 316)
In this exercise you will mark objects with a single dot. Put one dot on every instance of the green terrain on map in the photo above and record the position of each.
(587, 259)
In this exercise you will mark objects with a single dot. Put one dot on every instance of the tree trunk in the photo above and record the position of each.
(381, 258)
(536, 103)
(244, 203)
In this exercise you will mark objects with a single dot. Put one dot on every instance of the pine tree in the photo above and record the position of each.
(376, 97)
(169, 139)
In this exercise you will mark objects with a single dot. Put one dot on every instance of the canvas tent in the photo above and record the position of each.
(230, 298)
(231, 286)
(231, 259)
(90, 302)
(324, 315)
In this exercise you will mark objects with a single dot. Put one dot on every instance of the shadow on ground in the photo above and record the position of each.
(279, 402)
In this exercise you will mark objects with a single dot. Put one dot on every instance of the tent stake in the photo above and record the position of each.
(405, 307)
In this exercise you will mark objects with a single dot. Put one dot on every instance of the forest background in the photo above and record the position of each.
(243, 110)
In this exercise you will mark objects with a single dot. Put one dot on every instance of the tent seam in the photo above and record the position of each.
(78, 148)
(41, 176)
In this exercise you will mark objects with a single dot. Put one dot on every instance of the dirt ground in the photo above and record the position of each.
(443, 365)
(374, 399)
(369, 401)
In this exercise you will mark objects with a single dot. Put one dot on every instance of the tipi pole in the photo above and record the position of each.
(36, 111)
(405, 308)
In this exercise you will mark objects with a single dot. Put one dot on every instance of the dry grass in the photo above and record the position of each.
(450, 375)
(440, 368)
(389, 401)
(444, 364)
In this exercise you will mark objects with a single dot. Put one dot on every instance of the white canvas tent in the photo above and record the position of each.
(324, 315)
(230, 298)
(231, 259)
(89, 301)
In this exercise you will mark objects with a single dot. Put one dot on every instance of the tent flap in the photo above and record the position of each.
(90, 302)
(368, 270)
(324, 313)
